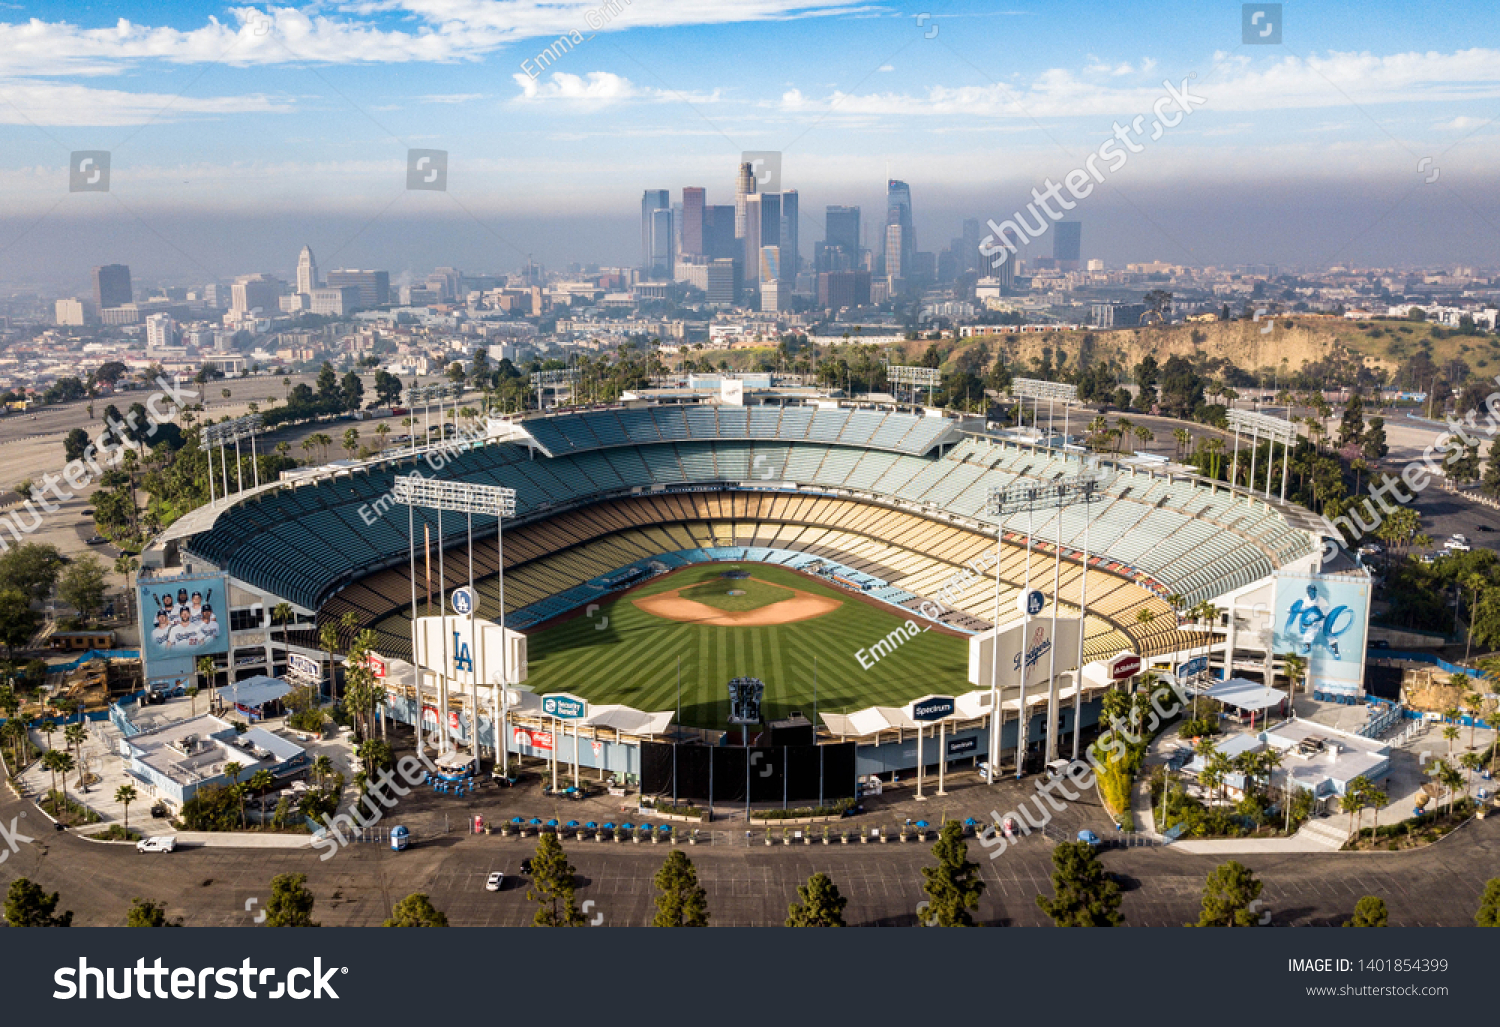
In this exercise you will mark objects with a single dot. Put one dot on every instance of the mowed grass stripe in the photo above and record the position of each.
(634, 660)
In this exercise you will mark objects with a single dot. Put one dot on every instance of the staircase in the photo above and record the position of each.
(1330, 833)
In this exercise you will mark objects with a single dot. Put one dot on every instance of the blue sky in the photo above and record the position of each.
(303, 115)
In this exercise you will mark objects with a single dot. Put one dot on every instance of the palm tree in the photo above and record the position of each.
(1474, 703)
(125, 795)
(206, 671)
(381, 431)
(232, 770)
(1296, 669)
(1184, 439)
(322, 768)
(308, 445)
(49, 761)
(1475, 583)
(1144, 434)
(1451, 734)
(62, 763)
(74, 735)
(260, 782)
(328, 638)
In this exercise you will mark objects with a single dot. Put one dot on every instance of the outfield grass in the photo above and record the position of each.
(621, 654)
(715, 593)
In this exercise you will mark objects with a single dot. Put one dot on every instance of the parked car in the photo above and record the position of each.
(160, 843)
(95, 540)
(494, 882)
(526, 865)
(1484, 527)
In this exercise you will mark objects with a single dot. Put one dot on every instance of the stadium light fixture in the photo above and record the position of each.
(467, 498)
(1003, 499)
(915, 377)
(1274, 430)
(1037, 390)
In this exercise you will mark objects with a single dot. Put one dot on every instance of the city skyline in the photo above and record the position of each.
(230, 128)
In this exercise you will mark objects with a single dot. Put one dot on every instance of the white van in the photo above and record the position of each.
(160, 843)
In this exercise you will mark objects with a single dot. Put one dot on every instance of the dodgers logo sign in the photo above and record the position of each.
(463, 659)
(463, 601)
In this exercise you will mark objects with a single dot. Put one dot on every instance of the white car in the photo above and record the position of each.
(494, 882)
(1456, 545)
(160, 843)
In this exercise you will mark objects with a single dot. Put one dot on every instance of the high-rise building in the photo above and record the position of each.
(335, 302)
(790, 261)
(719, 240)
(749, 234)
(770, 264)
(722, 280)
(307, 271)
(841, 228)
(770, 224)
(447, 282)
(744, 188)
(1067, 244)
(839, 289)
(652, 200)
(896, 267)
(969, 251)
(161, 331)
(256, 292)
(374, 286)
(693, 198)
(898, 212)
(660, 263)
(112, 285)
(71, 312)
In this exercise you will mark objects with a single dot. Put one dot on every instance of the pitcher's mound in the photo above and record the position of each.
(802, 606)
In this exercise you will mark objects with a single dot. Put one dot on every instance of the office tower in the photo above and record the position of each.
(722, 281)
(744, 188)
(447, 282)
(898, 212)
(969, 254)
(112, 285)
(790, 260)
(770, 221)
(718, 232)
(1067, 244)
(335, 302)
(161, 331)
(307, 271)
(256, 292)
(841, 229)
(839, 289)
(70, 312)
(374, 286)
(693, 243)
(770, 264)
(895, 247)
(652, 200)
(660, 263)
(749, 232)
(771, 287)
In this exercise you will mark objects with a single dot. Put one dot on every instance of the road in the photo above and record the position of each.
(1436, 886)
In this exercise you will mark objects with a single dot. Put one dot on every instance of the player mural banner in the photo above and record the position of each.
(1323, 619)
(185, 616)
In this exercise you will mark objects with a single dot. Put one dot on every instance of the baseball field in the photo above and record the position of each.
(773, 625)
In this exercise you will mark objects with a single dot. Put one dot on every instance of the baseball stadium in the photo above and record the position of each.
(840, 553)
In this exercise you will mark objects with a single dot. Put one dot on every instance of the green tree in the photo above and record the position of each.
(680, 900)
(1085, 896)
(82, 586)
(125, 795)
(17, 620)
(32, 568)
(1228, 895)
(416, 910)
(27, 905)
(291, 903)
(145, 913)
(821, 904)
(953, 886)
(552, 886)
(1369, 911)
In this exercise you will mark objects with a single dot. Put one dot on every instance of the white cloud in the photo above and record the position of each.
(1459, 124)
(1333, 80)
(597, 88)
(886, 67)
(49, 103)
(451, 98)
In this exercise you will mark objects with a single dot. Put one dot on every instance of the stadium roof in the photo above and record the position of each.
(256, 691)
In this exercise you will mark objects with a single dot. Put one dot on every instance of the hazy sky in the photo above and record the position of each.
(237, 134)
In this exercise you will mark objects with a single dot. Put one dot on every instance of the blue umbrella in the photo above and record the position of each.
(665, 827)
(609, 826)
(552, 823)
(535, 821)
(971, 822)
(591, 825)
(572, 823)
(921, 823)
(628, 826)
(645, 827)
(517, 820)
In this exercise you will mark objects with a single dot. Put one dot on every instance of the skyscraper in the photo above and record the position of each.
(660, 262)
(718, 231)
(1067, 244)
(307, 271)
(692, 221)
(790, 259)
(895, 248)
(374, 286)
(749, 233)
(969, 251)
(652, 200)
(112, 285)
(898, 214)
(744, 188)
(839, 250)
(770, 221)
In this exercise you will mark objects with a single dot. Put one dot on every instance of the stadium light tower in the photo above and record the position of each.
(552, 380)
(467, 498)
(1003, 500)
(913, 377)
(1037, 390)
(1275, 430)
(425, 394)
